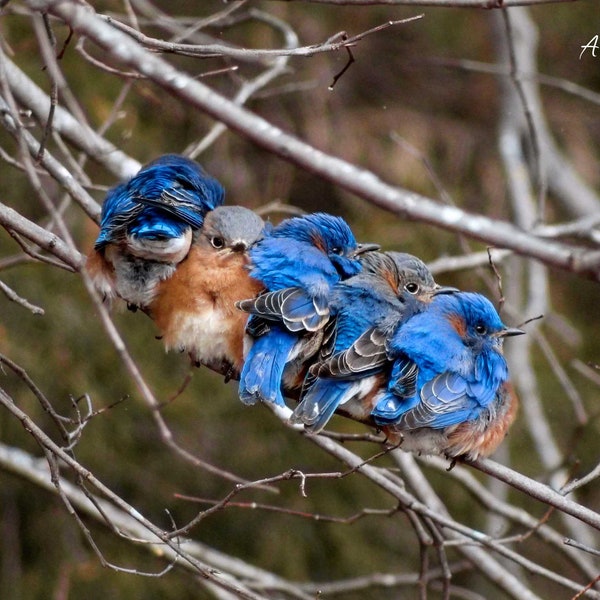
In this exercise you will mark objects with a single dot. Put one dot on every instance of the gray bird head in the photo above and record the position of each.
(232, 228)
(402, 271)
(412, 270)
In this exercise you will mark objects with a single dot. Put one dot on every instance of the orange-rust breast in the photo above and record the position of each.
(473, 440)
(195, 308)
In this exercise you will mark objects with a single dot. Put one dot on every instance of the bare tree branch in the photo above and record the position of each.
(12, 295)
(152, 533)
(447, 3)
(489, 528)
(360, 182)
(79, 134)
(129, 521)
(11, 219)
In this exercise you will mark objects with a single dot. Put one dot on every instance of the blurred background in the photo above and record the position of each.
(417, 108)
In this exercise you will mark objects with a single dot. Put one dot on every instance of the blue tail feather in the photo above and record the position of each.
(263, 369)
(319, 404)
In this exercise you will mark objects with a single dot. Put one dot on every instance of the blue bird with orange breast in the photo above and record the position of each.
(147, 227)
(195, 308)
(298, 262)
(449, 391)
(352, 365)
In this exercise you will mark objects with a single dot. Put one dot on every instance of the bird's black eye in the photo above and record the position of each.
(481, 329)
(412, 288)
(337, 250)
(217, 242)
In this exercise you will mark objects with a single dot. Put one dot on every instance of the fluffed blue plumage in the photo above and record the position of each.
(449, 391)
(366, 308)
(298, 262)
(147, 226)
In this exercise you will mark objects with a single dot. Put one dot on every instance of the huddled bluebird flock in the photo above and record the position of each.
(303, 310)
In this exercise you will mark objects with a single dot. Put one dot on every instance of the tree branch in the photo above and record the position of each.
(363, 183)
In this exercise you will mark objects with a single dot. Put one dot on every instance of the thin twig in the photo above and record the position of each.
(14, 297)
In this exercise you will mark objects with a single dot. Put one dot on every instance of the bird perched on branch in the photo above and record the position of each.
(298, 262)
(449, 391)
(351, 366)
(195, 308)
(147, 227)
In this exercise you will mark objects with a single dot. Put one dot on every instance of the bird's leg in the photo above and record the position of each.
(229, 374)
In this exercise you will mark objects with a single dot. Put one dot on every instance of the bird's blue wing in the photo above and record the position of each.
(186, 205)
(445, 400)
(294, 307)
(390, 407)
(159, 202)
(118, 211)
(403, 378)
(284, 263)
(364, 357)
(400, 395)
(450, 398)
(264, 365)
(178, 187)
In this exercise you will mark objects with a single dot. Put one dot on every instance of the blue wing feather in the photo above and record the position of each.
(165, 198)
(156, 226)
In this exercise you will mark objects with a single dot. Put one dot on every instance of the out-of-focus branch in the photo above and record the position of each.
(522, 118)
(358, 181)
(336, 42)
(33, 98)
(447, 3)
(447, 264)
(485, 563)
(11, 219)
(537, 490)
(559, 83)
(35, 471)
(555, 169)
(54, 168)
(14, 297)
(152, 533)
(249, 88)
(492, 503)
(425, 492)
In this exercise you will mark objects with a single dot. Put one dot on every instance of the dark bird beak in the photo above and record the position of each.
(510, 331)
(445, 289)
(362, 248)
(239, 247)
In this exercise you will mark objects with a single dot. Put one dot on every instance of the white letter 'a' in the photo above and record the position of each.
(593, 44)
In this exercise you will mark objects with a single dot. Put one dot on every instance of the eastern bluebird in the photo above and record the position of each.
(298, 262)
(195, 308)
(449, 391)
(352, 364)
(147, 226)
